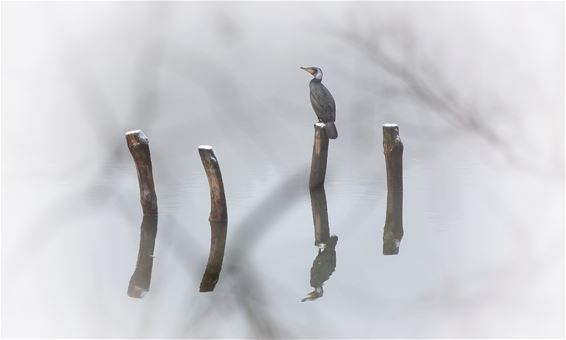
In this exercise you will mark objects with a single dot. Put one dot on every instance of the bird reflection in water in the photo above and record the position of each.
(325, 262)
(141, 278)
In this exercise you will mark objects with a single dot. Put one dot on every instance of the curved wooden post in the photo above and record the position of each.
(218, 210)
(393, 150)
(319, 156)
(218, 218)
(138, 145)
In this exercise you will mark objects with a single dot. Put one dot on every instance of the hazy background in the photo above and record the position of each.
(477, 89)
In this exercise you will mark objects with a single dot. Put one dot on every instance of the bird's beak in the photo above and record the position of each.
(315, 294)
(308, 69)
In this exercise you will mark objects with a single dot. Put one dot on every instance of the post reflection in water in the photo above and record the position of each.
(325, 262)
(216, 256)
(319, 216)
(141, 278)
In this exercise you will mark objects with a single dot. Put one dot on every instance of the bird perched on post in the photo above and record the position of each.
(322, 102)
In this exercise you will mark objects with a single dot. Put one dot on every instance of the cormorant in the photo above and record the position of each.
(322, 102)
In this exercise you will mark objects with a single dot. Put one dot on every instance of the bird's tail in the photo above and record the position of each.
(333, 241)
(331, 131)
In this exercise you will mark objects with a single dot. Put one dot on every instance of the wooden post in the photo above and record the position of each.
(138, 145)
(141, 278)
(139, 148)
(218, 210)
(319, 156)
(393, 150)
(320, 217)
(218, 218)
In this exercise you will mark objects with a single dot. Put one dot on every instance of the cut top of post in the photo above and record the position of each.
(320, 131)
(390, 125)
(207, 152)
(136, 137)
(390, 133)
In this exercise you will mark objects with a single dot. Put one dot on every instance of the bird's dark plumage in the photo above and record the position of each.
(322, 267)
(322, 102)
(324, 264)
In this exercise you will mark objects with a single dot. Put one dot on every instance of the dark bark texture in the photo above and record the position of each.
(319, 157)
(393, 150)
(138, 145)
(218, 209)
(218, 219)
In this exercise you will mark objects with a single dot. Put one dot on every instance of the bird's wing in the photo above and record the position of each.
(323, 103)
(330, 100)
(317, 107)
(329, 104)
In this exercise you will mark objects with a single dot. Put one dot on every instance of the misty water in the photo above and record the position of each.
(477, 92)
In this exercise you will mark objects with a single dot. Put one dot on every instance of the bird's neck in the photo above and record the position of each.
(314, 80)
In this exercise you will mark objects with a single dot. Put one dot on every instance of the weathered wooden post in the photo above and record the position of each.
(218, 218)
(139, 148)
(138, 145)
(316, 185)
(218, 210)
(319, 156)
(393, 150)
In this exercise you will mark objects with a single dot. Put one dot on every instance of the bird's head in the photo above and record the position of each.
(315, 294)
(314, 71)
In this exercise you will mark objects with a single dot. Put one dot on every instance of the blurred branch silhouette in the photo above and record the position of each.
(435, 95)
(103, 119)
(430, 88)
